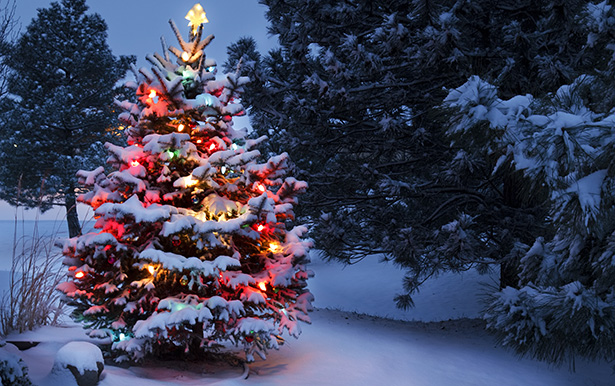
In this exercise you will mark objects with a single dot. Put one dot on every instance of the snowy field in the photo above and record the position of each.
(349, 341)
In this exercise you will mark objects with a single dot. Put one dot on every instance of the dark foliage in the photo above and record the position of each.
(59, 106)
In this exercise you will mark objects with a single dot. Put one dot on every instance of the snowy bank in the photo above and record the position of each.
(348, 349)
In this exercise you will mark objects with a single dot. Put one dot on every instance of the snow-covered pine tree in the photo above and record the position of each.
(59, 106)
(564, 303)
(354, 92)
(191, 249)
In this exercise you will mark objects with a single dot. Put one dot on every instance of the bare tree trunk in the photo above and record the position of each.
(513, 199)
(509, 274)
(72, 219)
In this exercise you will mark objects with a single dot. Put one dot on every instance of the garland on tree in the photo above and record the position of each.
(191, 249)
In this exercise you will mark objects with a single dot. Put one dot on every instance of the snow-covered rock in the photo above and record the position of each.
(81, 359)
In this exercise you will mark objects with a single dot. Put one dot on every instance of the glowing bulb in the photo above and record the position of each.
(151, 269)
(181, 127)
(80, 275)
(212, 147)
(199, 141)
(191, 181)
(122, 336)
(262, 286)
(274, 247)
(134, 163)
(152, 94)
(185, 56)
(260, 187)
(260, 227)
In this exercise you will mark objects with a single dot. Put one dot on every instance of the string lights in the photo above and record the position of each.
(195, 235)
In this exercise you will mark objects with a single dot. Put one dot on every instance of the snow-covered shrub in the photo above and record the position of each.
(13, 370)
(554, 323)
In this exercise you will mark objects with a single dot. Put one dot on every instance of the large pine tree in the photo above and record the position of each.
(563, 304)
(354, 94)
(193, 248)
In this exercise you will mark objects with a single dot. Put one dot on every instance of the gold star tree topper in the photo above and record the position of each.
(196, 16)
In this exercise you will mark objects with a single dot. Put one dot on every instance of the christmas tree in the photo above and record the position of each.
(192, 248)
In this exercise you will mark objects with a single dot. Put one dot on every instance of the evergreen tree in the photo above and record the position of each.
(354, 93)
(564, 303)
(59, 106)
(8, 32)
(193, 248)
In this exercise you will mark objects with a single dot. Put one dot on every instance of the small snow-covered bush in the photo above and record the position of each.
(554, 324)
(13, 370)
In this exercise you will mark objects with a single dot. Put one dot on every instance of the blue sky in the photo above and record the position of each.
(135, 28)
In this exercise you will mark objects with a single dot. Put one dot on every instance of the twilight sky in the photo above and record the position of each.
(135, 28)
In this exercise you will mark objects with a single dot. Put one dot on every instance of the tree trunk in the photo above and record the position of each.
(516, 195)
(72, 219)
(509, 274)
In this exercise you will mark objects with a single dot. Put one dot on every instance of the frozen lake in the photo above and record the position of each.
(25, 230)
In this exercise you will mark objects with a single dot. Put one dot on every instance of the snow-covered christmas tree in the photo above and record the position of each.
(192, 248)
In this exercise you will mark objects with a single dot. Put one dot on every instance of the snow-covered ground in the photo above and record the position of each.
(342, 348)
(369, 287)
(347, 344)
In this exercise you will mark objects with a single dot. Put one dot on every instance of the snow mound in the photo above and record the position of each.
(82, 355)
